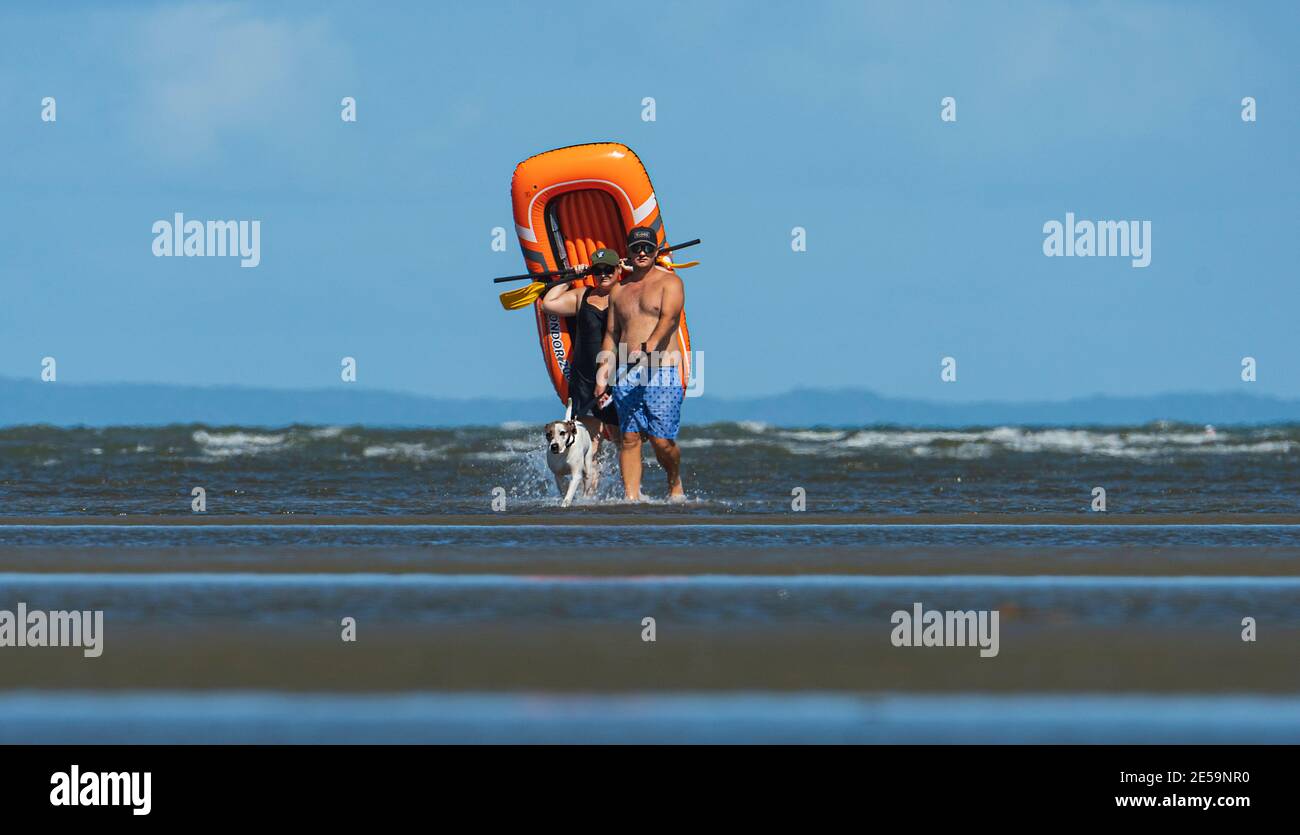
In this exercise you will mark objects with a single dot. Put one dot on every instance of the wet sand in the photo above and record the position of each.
(662, 561)
(468, 637)
(606, 657)
(656, 515)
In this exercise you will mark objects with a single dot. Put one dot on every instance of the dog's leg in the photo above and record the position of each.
(573, 488)
(592, 473)
(560, 483)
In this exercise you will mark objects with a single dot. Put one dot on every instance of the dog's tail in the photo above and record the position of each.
(568, 410)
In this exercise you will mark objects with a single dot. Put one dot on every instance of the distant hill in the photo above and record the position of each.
(107, 404)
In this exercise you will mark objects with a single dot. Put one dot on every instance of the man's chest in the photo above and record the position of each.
(638, 300)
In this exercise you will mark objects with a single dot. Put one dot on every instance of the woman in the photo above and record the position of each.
(589, 306)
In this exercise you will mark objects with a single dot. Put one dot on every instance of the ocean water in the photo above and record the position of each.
(727, 468)
(768, 628)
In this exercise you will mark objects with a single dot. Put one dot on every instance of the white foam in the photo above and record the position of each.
(699, 443)
(236, 443)
(491, 456)
(1091, 442)
(900, 438)
(1261, 448)
(814, 435)
(235, 438)
(406, 451)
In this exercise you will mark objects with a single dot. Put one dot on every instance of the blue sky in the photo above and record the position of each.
(924, 238)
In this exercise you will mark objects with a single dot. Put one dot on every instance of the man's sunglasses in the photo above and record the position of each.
(642, 249)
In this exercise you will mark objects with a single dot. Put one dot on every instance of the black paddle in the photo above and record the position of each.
(549, 273)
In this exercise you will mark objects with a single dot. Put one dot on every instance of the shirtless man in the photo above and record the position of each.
(645, 308)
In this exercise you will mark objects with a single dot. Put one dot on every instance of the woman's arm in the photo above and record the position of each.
(562, 300)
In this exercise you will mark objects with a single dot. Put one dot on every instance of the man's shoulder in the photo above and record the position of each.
(664, 276)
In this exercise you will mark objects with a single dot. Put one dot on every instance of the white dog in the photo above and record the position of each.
(570, 452)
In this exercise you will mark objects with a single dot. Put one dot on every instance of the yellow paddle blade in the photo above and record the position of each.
(667, 262)
(524, 296)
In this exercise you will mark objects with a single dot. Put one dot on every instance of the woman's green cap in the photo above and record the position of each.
(606, 257)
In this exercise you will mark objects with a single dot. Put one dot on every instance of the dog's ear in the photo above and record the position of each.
(572, 427)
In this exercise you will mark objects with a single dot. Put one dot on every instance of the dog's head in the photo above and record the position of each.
(560, 434)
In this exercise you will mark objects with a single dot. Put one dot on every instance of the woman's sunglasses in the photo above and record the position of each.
(602, 271)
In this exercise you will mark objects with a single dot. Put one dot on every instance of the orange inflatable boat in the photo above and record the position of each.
(567, 204)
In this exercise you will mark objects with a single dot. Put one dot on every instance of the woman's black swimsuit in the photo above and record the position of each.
(588, 334)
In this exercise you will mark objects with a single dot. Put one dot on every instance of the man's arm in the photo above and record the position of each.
(670, 312)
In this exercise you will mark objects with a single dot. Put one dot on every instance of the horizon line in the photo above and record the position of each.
(216, 387)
